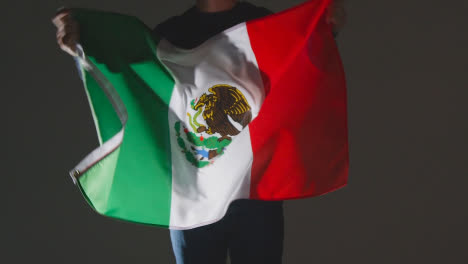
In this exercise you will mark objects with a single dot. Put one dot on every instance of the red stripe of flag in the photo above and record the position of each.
(299, 139)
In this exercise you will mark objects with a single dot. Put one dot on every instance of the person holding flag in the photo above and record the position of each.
(252, 230)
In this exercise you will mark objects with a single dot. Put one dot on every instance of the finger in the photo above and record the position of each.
(69, 40)
(68, 29)
(71, 27)
(64, 39)
(337, 16)
(60, 38)
(62, 18)
(58, 19)
(68, 44)
(340, 17)
(69, 50)
(60, 34)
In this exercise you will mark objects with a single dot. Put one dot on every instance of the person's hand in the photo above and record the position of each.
(336, 15)
(68, 33)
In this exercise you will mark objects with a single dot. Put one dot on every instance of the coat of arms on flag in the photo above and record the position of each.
(225, 113)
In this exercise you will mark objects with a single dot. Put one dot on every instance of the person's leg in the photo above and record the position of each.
(201, 245)
(258, 232)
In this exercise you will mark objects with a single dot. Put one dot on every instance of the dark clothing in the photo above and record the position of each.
(193, 27)
(252, 230)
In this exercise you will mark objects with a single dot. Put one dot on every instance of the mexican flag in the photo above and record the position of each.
(257, 111)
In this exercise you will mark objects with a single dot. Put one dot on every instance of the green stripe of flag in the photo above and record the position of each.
(135, 181)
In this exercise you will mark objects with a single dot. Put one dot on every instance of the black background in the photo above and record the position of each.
(406, 64)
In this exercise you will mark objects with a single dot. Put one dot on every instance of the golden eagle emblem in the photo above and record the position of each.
(225, 102)
(225, 112)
